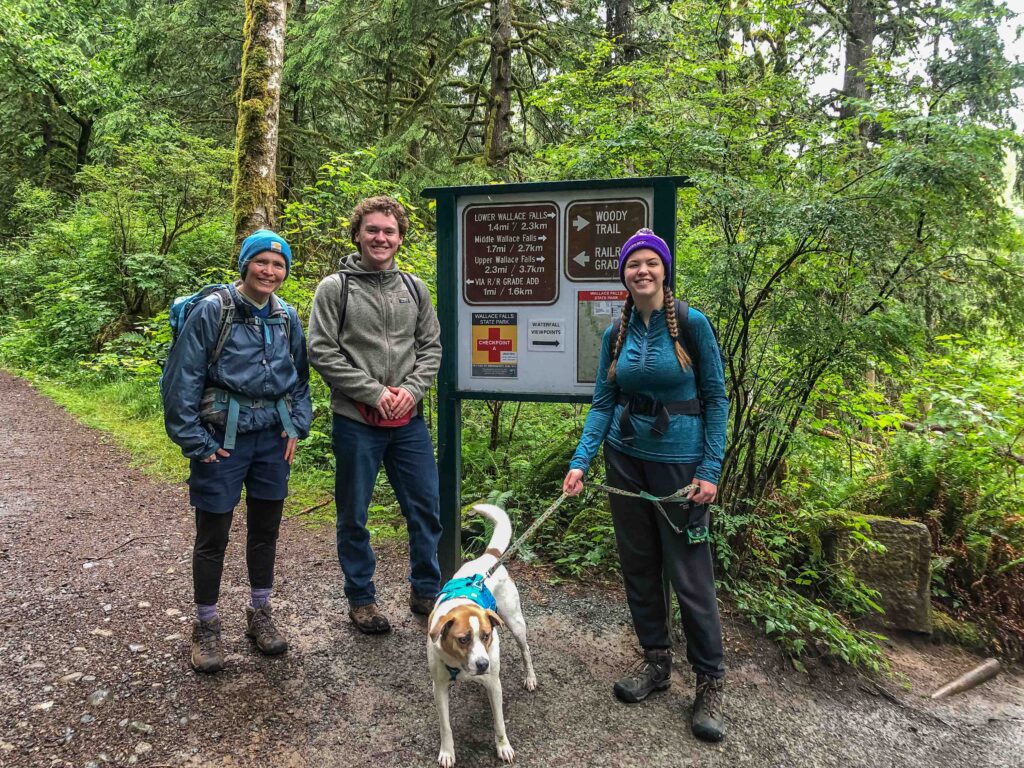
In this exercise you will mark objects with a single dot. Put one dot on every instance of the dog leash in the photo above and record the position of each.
(679, 497)
(519, 542)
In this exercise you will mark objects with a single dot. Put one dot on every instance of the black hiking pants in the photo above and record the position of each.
(263, 521)
(653, 556)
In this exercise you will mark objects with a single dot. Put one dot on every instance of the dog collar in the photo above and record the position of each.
(453, 672)
(471, 588)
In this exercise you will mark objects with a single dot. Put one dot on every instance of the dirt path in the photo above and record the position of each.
(94, 620)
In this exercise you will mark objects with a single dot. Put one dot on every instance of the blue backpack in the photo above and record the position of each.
(182, 307)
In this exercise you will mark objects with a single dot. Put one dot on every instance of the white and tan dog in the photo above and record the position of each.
(462, 637)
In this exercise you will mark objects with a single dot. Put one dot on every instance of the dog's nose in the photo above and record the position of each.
(482, 665)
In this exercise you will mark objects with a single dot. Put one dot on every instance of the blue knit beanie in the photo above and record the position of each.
(645, 238)
(263, 240)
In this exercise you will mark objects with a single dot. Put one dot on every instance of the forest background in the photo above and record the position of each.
(858, 248)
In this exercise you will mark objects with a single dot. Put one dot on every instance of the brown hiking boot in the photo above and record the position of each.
(207, 651)
(420, 604)
(369, 620)
(651, 673)
(708, 723)
(259, 627)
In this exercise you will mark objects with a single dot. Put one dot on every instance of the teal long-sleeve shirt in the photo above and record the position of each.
(647, 365)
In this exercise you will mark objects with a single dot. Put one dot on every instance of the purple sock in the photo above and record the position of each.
(206, 612)
(259, 597)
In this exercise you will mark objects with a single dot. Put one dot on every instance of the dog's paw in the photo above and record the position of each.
(530, 682)
(446, 758)
(504, 750)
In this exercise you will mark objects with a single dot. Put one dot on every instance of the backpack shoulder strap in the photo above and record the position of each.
(688, 340)
(283, 308)
(227, 316)
(411, 286)
(683, 320)
(343, 280)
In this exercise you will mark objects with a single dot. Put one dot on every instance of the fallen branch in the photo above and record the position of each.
(984, 671)
(312, 508)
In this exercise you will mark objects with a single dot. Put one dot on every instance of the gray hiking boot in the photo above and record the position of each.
(708, 722)
(420, 604)
(652, 673)
(259, 627)
(207, 651)
(369, 620)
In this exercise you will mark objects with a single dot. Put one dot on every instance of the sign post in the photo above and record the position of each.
(527, 283)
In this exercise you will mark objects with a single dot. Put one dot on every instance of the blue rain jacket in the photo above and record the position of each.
(647, 365)
(248, 366)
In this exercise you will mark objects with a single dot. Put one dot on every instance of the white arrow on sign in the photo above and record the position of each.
(542, 238)
(580, 223)
(471, 282)
(581, 258)
(549, 215)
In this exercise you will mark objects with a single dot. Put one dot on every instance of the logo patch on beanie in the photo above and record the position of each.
(275, 246)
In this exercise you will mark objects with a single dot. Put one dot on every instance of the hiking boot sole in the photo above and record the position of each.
(272, 650)
(371, 629)
(629, 697)
(208, 668)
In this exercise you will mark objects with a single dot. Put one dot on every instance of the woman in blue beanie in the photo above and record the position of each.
(236, 399)
(660, 409)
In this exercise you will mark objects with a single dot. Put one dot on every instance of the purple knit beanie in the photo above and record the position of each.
(645, 238)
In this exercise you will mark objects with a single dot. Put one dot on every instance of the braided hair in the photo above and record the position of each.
(627, 312)
(671, 323)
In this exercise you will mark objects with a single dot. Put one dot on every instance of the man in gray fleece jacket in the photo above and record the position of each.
(378, 347)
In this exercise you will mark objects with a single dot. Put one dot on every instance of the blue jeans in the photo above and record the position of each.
(407, 454)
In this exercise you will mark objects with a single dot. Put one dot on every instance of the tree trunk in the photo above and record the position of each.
(860, 40)
(499, 106)
(619, 25)
(255, 183)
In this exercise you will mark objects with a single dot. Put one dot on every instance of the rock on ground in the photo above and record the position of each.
(94, 660)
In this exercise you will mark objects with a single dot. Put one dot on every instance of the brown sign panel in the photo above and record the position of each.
(509, 254)
(594, 233)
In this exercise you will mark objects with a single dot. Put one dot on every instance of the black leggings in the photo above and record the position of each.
(654, 559)
(263, 521)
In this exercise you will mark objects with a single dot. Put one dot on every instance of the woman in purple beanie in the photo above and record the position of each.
(660, 409)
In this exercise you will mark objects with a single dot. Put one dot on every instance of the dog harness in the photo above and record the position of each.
(471, 588)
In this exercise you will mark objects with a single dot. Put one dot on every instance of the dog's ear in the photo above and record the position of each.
(495, 619)
(440, 629)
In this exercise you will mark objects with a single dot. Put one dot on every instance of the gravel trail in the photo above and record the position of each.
(95, 612)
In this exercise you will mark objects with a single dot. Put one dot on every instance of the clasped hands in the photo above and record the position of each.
(395, 403)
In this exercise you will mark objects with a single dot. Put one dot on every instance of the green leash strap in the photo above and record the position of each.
(695, 534)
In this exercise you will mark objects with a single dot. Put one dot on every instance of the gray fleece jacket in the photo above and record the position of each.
(389, 338)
